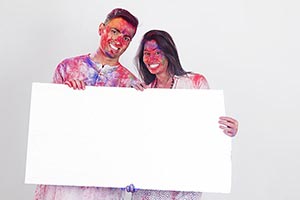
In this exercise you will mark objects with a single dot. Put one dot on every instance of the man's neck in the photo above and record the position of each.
(102, 59)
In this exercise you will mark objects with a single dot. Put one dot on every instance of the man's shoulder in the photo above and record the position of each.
(74, 59)
(125, 70)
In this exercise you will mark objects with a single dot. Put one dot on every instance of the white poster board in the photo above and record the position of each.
(156, 139)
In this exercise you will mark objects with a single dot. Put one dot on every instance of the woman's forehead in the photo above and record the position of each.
(151, 45)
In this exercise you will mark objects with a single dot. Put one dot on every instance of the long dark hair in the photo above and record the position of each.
(167, 45)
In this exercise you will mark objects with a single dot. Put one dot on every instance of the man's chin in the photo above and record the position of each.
(112, 55)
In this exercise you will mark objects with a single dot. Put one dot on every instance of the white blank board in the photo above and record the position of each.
(111, 137)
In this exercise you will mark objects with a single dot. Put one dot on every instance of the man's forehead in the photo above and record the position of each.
(121, 24)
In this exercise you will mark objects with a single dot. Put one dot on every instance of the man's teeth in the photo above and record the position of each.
(114, 47)
(154, 65)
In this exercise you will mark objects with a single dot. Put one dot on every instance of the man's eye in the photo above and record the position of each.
(127, 39)
(146, 54)
(157, 53)
(114, 31)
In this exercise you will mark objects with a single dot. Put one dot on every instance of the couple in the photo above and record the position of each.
(159, 67)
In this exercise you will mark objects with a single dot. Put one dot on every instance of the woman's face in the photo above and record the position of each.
(154, 58)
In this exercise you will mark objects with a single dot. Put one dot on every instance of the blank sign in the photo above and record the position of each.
(111, 137)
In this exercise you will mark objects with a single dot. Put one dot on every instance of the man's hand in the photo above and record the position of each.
(130, 188)
(76, 84)
(139, 85)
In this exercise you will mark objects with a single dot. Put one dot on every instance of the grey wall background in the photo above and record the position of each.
(248, 48)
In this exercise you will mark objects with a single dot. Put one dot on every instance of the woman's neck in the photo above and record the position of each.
(164, 81)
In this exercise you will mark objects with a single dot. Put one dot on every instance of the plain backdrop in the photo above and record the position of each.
(248, 48)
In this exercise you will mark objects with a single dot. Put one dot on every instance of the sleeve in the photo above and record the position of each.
(58, 76)
(200, 82)
(43, 192)
(126, 77)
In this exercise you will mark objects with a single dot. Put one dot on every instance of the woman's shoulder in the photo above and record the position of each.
(196, 80)
(192, 76)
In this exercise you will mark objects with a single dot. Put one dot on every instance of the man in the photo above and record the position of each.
(101, 68)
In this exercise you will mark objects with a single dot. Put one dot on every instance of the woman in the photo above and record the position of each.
(159, 66)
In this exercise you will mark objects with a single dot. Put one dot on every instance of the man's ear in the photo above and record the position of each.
(101, 28)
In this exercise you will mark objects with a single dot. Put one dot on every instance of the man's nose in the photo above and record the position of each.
(119, 39)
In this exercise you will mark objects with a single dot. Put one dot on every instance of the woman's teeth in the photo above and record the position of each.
(153, 65)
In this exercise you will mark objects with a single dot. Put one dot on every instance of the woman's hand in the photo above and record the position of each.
(76, 84)
(229, 125)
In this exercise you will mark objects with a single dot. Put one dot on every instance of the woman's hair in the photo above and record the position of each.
(167, 45)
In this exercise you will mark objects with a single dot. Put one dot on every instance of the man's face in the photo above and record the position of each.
(116, 36)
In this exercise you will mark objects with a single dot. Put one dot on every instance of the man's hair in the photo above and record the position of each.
(126, 15)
